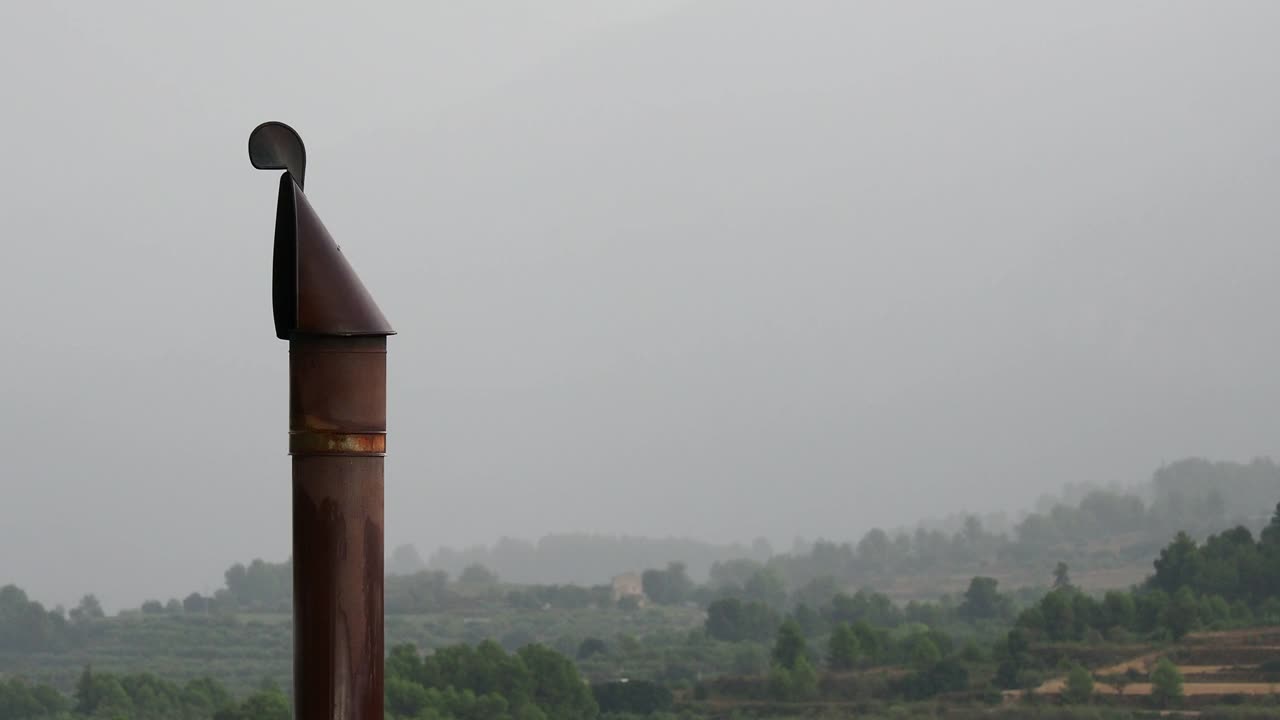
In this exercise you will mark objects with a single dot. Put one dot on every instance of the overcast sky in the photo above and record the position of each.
(722, 269)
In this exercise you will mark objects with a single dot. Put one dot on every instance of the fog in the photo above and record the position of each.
(718, 269)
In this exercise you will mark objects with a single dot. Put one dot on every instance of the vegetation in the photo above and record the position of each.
(1079, 687)
(1088, 528)
(774, 633)
(139, 697)
(1166, 684)
(588, 559)
(842, 648)
(485, 683)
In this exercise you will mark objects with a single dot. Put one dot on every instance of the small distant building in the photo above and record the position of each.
(628, 585)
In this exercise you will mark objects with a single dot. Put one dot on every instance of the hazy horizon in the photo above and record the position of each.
(720, 269)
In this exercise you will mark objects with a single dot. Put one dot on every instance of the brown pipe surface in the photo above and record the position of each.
(337, 426)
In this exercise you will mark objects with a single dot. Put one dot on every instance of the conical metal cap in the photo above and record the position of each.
(314, 288)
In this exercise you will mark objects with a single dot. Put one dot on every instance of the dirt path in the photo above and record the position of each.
(1190, 689)
(1142, 663)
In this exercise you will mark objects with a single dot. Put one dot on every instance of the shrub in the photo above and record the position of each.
(1166, 684)
(1079, 687)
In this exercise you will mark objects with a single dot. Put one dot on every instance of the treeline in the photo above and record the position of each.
(764, 645)
(1088, 527)
(1098, 527)
(935, 665)
(138, 697)
(581, 559)
(26, 626)
(1230, 565)
(867, 630)
(485, 683)
(1242, 491)
(1101, 526)
(479, 588)
(1229, 581)
(259, 586)
(744, 580)
(1068, 532)
(808, 653)
(758, 643)
(735, 620)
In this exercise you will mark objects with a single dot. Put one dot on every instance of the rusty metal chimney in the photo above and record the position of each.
(337, 437)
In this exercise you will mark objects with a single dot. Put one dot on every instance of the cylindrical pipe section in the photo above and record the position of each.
(337, 436)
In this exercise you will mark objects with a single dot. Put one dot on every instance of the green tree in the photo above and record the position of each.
(1079, 686)
(842, 648)
(205, 696)
(766, 587)
(982, 600)
(872, 643)
(558, 690)
(1166, 684)
(1120, 609)
(476, 575)
(88, 609)
(875, 551)
(85, 694)
(811, 623)
(1182, 612)
(421, 592)
(733, 620)
(1061, 576)
(817, 592)
(18, 702)
(804, 679)
(874, 608)
(750, 659)
(1271, 533)
(1058, 611)
(797, 683)
(405, 698)
(261, 585)
(943, 676)
(195, 603)
(924, 652)
(1150, 609)
(590, 647)
(780, 683)
(25, 625)
(102, 694)
(267, 704)
(789, 646)
(667, 587)
(54, 702)
(1179, 564)
(152, 697)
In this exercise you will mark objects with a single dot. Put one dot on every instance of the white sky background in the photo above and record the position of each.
(719, 269)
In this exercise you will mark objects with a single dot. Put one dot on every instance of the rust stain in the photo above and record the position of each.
(303, 442)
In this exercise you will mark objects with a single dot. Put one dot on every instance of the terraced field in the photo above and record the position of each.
(1216, 666)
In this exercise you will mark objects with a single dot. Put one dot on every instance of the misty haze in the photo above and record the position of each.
(882, 295)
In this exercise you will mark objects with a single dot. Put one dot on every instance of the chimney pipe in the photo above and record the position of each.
(337, 438)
